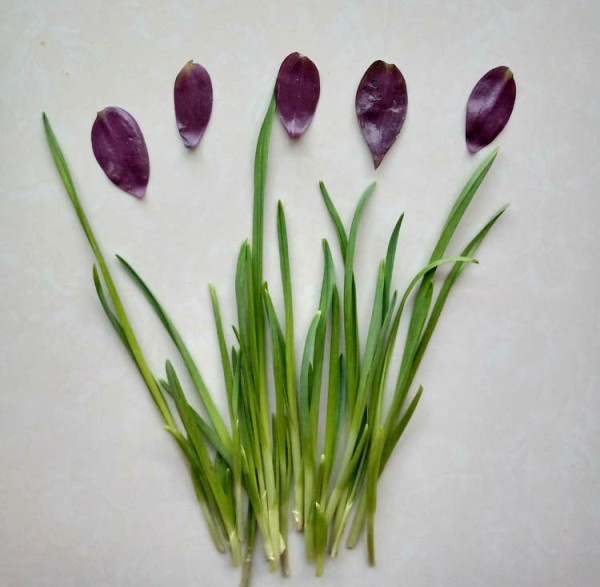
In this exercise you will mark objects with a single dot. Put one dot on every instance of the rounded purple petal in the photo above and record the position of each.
(297, 93)
(381, 106)
(489, 107)
(193, 96)
(120, 150)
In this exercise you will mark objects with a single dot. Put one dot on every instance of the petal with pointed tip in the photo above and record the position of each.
(381, 106)
(193, 95)
(489, 107)
(120, 150)
(297, 93)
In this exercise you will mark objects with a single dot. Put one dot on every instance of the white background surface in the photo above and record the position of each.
(496, 482)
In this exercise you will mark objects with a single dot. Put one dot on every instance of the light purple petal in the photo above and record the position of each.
(489, 107)
(193, 95)
(297, 93)
(120, 150)
(381, 106)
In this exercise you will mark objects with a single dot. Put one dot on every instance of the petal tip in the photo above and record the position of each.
(473, 147)
(138, 191)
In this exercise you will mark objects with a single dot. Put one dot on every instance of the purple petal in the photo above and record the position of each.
(297, 93)
(120, 150)
(381, 105)
(193, 102)
(489, 107)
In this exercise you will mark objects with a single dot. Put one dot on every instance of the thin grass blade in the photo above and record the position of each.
(335, 218)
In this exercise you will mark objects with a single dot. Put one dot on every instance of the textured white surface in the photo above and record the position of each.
(496, 482)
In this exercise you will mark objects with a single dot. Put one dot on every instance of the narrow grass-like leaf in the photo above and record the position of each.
(417, 322)
(311, 494)
(248, 557)
(419, 316)
(376, 379)
(399, 428)
(225, 363)
(462, 203)
(308, 434)
(290, 368)
(449, 282)
(319, 520)
(204, 394)
(389, 263)
(358, 523)
(205, 429)
(334, 394)
(367, 374)
(255, 312)
(377, 315)
(425, 293)
(361, 510)
(347, 502)
(108, 311)
(373, 463)
(136, 352)
(284, 485)
(350, 317)
(237, 449)
(279, 420)
(224, 505)
(319, 350)
(209, 514)
(242, 287)
(335, 218)
(347, 472)
(260, 179)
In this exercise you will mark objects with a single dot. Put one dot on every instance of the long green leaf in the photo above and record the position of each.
(350, 317)
(449, 282)
(462, 203)
(224, 505)
(290, 368)
(205, 429)
(204, 394)
(389, 262)
(419, 315)
(225, 362)
(335, 218)
(108, 311)
(136, 351)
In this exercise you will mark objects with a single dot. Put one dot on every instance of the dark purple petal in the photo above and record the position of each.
(381, 105)
(297, 93)
(489, 107)
(193, 102)
(120, 150)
